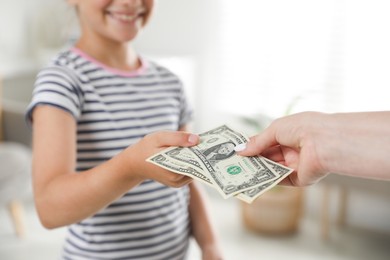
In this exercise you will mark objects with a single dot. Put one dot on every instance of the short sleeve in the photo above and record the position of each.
(59, 87)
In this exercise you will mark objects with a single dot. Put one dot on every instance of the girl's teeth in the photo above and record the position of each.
(124, 17)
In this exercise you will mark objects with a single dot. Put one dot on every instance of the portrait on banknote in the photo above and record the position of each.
(220, 151)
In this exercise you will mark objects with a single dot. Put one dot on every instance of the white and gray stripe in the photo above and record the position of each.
(114, 111)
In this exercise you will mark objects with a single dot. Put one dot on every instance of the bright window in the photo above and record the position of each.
(331, 56)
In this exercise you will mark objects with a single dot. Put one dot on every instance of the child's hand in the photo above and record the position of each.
(152, 144)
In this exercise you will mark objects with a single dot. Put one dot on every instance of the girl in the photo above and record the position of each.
(95, 111)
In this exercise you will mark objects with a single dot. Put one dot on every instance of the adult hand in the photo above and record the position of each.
(292, 141)
(315, 144)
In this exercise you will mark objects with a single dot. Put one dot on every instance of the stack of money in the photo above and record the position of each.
(214, 162)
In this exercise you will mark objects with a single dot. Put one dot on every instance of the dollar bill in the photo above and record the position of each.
(214, 162)
(250, 195)
(183, 155)
(179, 167)
(230, 173)
(176, 156)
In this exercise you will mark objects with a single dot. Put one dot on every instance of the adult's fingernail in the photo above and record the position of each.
(193, 139)
(240, 147)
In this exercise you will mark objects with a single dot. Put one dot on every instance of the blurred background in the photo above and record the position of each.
(241, 62)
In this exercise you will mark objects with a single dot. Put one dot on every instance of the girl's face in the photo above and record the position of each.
(117, 20)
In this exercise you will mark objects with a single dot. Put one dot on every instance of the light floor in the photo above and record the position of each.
(236, 241)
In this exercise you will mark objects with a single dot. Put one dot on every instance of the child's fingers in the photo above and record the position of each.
(176, 180)
(175, 139)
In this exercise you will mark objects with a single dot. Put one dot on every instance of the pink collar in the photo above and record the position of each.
(123, 73)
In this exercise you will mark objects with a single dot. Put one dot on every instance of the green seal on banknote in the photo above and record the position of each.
(233, 170)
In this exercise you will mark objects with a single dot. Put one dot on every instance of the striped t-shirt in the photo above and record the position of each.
(114, 109)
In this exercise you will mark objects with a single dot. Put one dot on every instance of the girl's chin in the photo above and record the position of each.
(126, 36)
(126, 33)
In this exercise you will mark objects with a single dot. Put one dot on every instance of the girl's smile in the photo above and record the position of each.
(117, 21)
(126, 16)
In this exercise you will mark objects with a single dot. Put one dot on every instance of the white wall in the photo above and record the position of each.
(184, 28)
(32, 31)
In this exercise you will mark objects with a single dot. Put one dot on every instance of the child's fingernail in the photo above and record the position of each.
(193, 139)
(240, 147)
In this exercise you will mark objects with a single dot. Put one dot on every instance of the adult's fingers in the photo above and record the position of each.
(289, 180)
(258, 143)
